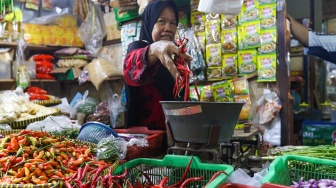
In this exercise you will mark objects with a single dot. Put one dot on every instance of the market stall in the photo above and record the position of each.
(62, 100)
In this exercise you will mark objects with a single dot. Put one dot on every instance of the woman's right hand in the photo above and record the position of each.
(164, 51)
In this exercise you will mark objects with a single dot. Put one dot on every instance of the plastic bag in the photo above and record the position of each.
(266, 108)
(229, 7)
(265, 114)
(111, 149)
(92, 30)
(22, 77)
(197, 65)
(53, 124)
(87, 105)
(50, 18)
(117, 108)
(84, 106)
(240, 177)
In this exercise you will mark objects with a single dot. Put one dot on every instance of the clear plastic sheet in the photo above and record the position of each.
(50, 18)
(230, 7)
(92, 30)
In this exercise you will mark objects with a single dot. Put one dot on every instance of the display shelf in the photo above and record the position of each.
(111, 42)
(45, 80)
(249, 76)
(31, 46)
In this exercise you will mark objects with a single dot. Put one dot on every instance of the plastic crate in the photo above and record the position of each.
(154, 138)
(174, 166)
(285, 169)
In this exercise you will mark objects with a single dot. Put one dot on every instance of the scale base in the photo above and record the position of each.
(205, 154)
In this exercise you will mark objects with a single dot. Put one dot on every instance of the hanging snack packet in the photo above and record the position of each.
(249, 11)
(206, 94)
(266, 68)
(249, 35)
(244, 113)
(212, 31)
(247, 62)
(222, 92)
(213, 55)
(240, 85)
(228, 22)
(229, 62)
(229, 41)
(268, 16)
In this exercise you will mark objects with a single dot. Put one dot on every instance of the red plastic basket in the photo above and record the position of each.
(154, 138)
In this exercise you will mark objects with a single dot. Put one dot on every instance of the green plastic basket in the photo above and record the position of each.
(174, 166)
(285, 169)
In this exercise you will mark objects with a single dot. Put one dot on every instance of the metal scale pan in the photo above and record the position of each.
(197, 122)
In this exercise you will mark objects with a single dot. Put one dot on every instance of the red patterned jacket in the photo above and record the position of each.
(140, 76)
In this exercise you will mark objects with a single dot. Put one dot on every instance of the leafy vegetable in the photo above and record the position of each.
(108, 150)
(67, 133)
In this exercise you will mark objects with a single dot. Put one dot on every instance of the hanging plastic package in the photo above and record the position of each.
(92, 30)
(22, 76)
(228, 7)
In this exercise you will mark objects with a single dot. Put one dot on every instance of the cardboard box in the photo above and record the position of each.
(66, 73)
(112, 30)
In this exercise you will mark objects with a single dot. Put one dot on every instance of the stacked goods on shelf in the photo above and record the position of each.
(6, 58)
(61, 33)
(44, 66)
(235, 48)
(70, 62)
(239, 45)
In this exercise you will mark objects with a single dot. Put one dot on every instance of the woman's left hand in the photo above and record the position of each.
(164, 51)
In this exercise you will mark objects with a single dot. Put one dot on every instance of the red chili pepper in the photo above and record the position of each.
(184, 175)
(95, 177)
(122, 176)
(34, 96)
(67, 184)
(46, 57)
(216, 175)
(185, 183)
(34, 89)
(116, 184)
(163, 181)
(79, 173)
(182, 66)
(85, 170)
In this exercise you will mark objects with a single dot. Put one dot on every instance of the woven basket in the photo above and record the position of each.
(24, 123)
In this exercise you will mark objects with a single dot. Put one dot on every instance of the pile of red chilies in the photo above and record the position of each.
(94, 179)
(186, 73)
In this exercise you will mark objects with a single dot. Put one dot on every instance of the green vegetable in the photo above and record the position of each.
(67, 133)
(322, 151)
(108, 150)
